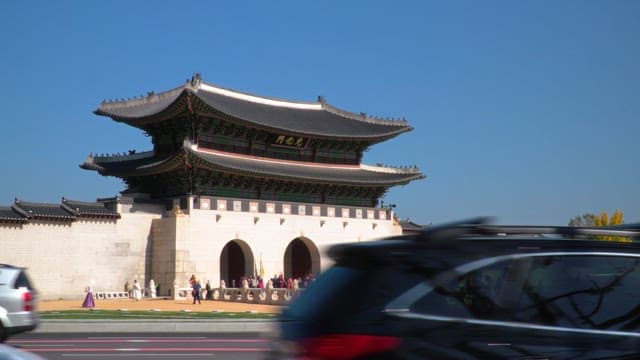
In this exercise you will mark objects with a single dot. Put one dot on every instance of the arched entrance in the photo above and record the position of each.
(236, 261)
(301, 258)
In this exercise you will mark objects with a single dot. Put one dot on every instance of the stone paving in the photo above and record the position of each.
(159, 304)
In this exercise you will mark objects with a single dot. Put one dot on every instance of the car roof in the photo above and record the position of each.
(472, 239)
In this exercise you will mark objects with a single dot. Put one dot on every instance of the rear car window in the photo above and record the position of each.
(22, 281)
(579, 291)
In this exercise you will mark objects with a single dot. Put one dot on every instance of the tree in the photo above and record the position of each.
(583, 220)
(616, 219)
(601, 220)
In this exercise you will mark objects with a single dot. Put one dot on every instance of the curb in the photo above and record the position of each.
(155, 326)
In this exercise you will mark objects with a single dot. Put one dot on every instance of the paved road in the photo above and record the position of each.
(106, 346)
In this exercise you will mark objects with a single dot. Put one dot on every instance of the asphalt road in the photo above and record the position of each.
(106, 346)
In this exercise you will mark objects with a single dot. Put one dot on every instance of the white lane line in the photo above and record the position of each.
(147, 337)
(155, 355)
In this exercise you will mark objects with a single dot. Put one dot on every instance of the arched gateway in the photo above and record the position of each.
(301, 258)
(236, 261)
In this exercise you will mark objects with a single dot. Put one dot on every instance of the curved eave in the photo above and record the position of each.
(151, 109)
(133, 165)
(301, 172)
(312, 119)
(253, 166)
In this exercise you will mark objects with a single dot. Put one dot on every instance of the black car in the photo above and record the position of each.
(474, 291)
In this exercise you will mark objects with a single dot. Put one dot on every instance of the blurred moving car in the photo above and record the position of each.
(8, 352)
(473, 291)
(17, 302)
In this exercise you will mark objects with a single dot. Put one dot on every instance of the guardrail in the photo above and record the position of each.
(111, 295)
(273, 296)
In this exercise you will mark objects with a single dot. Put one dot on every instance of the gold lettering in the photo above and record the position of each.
(300, 142)
(290, 140)
(280, 140)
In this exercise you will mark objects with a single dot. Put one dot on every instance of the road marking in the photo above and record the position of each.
(154, 349)
(169, 355)
(139, 340)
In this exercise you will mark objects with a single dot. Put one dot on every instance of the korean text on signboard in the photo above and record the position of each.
(290, 141)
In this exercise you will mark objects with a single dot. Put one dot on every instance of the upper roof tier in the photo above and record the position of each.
(317, 119)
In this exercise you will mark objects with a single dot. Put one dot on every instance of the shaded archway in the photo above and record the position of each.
(301, 258)
(236, 261)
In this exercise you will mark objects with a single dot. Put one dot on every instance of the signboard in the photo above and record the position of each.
(290, 141)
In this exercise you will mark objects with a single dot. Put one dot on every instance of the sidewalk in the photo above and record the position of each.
(161, 304)
(164, 326)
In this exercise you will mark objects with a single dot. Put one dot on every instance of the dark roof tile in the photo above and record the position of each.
(311, 118)
(7, 214)
(34, 210)
(88, 209)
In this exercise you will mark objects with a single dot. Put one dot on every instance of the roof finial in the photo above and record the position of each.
(196, 79)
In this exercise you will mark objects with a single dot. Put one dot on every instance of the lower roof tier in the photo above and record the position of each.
(193, 157)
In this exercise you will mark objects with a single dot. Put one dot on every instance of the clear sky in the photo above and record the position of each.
(524, 110)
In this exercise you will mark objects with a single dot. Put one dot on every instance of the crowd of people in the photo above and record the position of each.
(278, 281)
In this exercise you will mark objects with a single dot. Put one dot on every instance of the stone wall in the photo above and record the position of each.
(64, 258)
(148, 242)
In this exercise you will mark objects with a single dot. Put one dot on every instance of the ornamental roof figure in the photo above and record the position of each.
(196, 97)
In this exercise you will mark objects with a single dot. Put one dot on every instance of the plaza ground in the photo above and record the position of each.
(160, 304)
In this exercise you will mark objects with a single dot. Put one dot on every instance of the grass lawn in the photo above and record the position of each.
(148, 315)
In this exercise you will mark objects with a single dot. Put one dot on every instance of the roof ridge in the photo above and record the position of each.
(143, 99)
(27, 203)
(391, 169)
(132, 155)
(65, 200)
(361, 116)
(246, 93)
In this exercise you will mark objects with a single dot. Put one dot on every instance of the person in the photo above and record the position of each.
(137, 290)
(88, 299)
(196, 292)
(192, 280)
(209, 295)
(152, 288)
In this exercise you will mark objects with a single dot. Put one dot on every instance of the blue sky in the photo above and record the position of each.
(524, 110)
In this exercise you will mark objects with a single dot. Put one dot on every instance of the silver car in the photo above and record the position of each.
(17, 302)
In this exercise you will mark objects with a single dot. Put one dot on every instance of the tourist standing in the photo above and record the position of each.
(88, 299)
(137, 290)
(152, 288)
(209, 295)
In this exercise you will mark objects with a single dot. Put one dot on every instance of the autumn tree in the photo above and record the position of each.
(616, 219)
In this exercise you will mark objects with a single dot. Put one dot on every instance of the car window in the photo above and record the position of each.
(344, 291)
(22, 281)
(589, 292)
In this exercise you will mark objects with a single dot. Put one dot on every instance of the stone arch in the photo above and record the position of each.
(236, 260)
(301, 257)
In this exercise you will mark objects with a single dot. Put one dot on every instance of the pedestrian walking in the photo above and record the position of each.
(196, 292)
